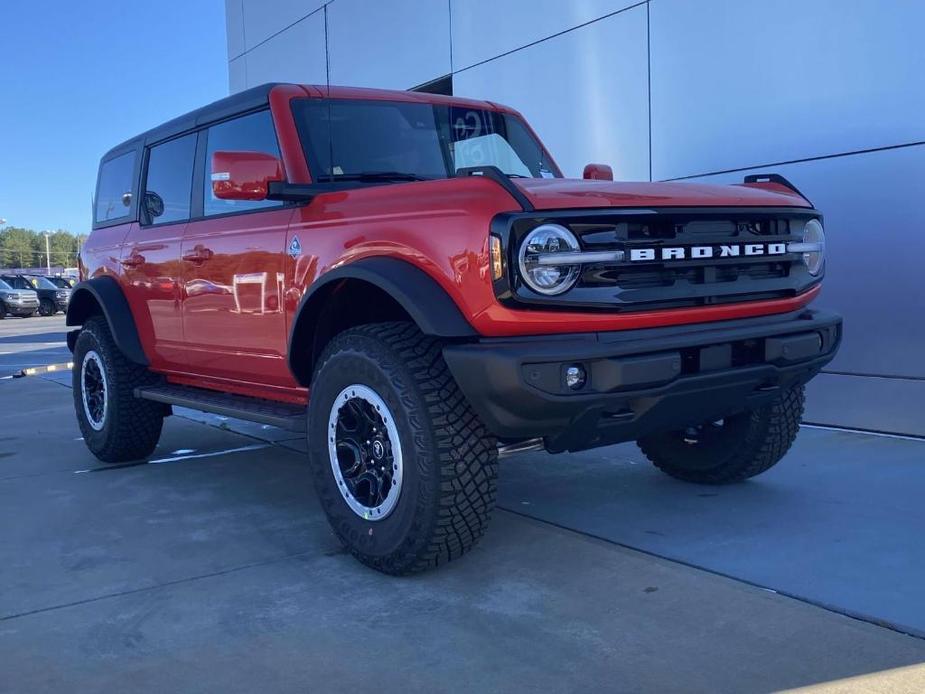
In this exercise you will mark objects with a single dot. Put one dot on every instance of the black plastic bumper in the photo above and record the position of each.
(639, 382)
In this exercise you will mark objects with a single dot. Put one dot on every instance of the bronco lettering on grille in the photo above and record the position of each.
(726, 250)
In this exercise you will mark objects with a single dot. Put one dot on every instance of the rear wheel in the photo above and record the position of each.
(46, 307)
(116, 426)
(731, 449)
(405, 471)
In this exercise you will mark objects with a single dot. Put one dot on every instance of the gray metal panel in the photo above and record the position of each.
(879, 404)
(234, 28)
(391, 45)
(296, 55)
(484, 29)
(875, 229)
(237, 74)
(584, 108)
(263, 19)
(743, 83)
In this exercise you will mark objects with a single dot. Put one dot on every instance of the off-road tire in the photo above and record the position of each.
(746, 444)
(131, 427)
(450, 461)
(46, 307)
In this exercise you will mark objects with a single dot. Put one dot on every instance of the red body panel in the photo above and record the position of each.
(213, 299)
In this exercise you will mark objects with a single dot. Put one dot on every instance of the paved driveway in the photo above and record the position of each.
(211, 568)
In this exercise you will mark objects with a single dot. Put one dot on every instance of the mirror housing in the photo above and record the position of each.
(598, 172)
(244, 175)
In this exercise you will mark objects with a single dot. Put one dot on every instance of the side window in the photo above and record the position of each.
(169, 181)
(114, 188)
(253, 133)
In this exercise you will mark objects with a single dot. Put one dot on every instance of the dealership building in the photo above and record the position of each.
(825, 92)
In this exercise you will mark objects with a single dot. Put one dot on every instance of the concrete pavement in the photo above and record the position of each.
(214, 570)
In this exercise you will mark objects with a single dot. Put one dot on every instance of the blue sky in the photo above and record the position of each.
(77, 78)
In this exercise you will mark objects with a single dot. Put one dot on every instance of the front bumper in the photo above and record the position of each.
(24, 308)
(639, 382)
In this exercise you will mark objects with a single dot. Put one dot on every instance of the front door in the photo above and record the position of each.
(234, 260)
(150, 255)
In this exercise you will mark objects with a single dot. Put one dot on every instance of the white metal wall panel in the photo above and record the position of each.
(875, 231)
(484, 29)
(739, 83)
(296, 55)
(263, 18)
(585, 110)
(234, 28)
(878, 404)
(391, 45)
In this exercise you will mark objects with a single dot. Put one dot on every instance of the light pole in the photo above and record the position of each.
(47, 252)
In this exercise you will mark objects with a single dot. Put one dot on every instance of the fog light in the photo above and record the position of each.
(575, 377)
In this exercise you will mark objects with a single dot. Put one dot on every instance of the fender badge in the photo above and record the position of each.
(295, 247)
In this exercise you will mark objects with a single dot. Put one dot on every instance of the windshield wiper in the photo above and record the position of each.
(374, 176)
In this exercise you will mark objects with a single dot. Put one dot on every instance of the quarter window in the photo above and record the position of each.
(251, 133)
(169, 181)
(114, 188)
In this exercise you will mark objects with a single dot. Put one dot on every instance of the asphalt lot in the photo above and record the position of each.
(26, 342)
(211, 568)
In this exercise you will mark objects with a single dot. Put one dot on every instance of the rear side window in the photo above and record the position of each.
(251, 133)
(169, 181)
(114, 188)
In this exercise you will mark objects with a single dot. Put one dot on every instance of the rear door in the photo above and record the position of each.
(151, 252)
(234, 260)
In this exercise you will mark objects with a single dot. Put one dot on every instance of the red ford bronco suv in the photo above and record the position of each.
(409, 280)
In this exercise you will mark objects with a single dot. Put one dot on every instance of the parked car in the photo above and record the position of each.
(51, 298)
(409, 279)
(61, 282)
(17, 302)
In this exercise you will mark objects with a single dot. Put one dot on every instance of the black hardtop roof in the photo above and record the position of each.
(249, 99)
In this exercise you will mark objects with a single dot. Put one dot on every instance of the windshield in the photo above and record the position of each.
(41, 283)
(371, 140)
(5, 286)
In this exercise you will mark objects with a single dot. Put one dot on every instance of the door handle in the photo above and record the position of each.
(199, 254)
(134, 260)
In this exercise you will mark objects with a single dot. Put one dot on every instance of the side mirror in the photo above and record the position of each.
(598, 172)
(244, 175)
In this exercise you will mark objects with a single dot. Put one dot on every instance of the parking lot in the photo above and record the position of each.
(212, 563)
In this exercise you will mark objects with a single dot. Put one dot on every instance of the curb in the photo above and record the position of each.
(39, 370)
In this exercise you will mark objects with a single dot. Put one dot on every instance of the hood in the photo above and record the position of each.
(567, 193)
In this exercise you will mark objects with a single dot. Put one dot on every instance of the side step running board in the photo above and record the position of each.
(277, 414)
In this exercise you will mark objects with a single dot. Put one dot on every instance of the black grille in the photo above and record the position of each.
(626, 286)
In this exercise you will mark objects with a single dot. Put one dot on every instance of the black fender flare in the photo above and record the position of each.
(422, 298)
(106, 293)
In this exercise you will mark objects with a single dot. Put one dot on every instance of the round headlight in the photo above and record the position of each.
(537, 262)
(814, 238)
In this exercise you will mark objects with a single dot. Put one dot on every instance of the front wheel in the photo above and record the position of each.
(405, 471)
(117, 427)
(731, 449)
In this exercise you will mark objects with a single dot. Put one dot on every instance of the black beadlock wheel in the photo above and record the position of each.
(117, 427)
(46, 307)
(404, 469)
(731, 449)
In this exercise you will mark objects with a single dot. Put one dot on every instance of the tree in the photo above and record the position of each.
(21, 247)
(17, 246)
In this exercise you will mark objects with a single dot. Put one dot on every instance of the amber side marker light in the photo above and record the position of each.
(497, 263)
